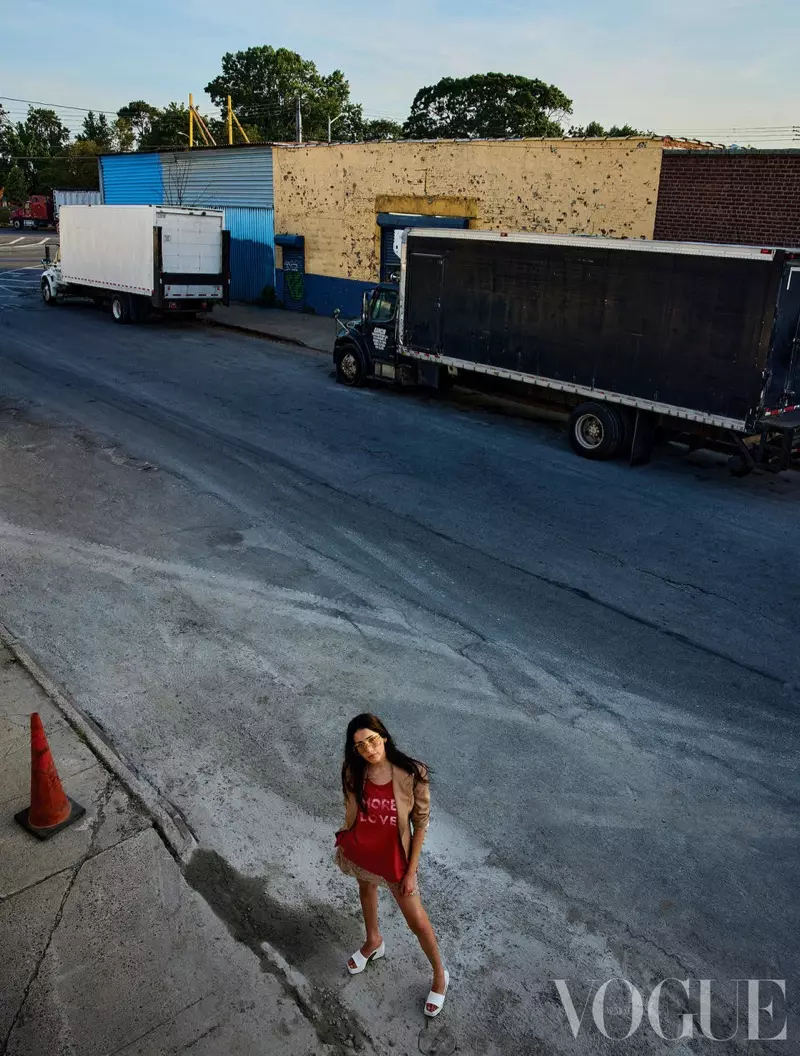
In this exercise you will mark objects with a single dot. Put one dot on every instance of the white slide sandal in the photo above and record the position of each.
(436, 999)
(361, 961)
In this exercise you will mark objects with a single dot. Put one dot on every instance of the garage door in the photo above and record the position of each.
(391, 222)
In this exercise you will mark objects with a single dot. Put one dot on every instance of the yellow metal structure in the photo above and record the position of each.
(196, 120)
(245, 136)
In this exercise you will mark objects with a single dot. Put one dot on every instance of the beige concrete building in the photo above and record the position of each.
(340, 204)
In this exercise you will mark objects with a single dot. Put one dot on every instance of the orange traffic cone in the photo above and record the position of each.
(50, 810)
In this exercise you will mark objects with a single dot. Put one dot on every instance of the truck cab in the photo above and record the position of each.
(36, 212)
(367, 347)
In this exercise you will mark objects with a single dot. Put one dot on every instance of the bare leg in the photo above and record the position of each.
(369, 907)
(417, 919)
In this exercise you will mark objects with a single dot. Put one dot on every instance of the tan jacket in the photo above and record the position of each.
(413, 801)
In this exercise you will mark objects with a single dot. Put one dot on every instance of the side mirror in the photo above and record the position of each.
(365, 303)
(336, 313)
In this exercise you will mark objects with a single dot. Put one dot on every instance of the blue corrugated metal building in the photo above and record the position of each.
(236, 179)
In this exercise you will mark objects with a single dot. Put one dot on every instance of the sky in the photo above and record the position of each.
(719, 70)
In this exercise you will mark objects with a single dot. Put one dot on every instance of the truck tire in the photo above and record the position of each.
(739, 466)
(120, 308)
(596, 430)
(17, 225)
(350, 366)
(47, 294)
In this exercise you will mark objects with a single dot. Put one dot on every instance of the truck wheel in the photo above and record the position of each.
(16, 224)
(349, 366)
(596, 430)
(739, 466)
(120, 308)
(47, 294)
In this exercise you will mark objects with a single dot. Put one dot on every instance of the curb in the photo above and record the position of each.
(281, 338)
(169, 824)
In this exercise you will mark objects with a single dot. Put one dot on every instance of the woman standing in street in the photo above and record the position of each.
(387, 803)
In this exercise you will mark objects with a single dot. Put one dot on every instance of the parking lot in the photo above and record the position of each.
(20, 265)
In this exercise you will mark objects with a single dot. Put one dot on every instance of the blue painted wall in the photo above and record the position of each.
(323, 293)
(238, 181)
(131, 179)
(252, 251)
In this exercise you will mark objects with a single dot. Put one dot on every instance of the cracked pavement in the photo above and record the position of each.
(105, 947)
(223, 556)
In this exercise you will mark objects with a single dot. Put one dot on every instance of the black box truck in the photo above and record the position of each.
(632, 336)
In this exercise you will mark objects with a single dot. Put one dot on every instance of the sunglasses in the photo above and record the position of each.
(368, 742)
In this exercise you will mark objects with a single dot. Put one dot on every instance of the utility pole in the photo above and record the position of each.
(191, 121)
(298, 121)
(230, 122)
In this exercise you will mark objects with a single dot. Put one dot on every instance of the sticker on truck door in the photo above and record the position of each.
(379, 338)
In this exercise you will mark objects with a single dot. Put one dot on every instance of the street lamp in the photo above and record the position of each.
(331, 122)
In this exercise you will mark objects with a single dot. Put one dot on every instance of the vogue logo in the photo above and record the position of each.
(629, 1008)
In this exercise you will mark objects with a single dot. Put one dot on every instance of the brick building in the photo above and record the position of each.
(748, 197)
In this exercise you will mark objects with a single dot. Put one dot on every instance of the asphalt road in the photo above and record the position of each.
(20, 250)
(224, 556)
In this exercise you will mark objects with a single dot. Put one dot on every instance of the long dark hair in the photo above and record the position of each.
(354, 769)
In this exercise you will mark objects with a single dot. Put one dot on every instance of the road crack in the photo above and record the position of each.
(97, 824)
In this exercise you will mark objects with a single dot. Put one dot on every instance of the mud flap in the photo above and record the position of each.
(644, 429)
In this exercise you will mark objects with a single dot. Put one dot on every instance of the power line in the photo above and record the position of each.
(58, 106)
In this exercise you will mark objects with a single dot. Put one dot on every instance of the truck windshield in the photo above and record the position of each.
(383, 305)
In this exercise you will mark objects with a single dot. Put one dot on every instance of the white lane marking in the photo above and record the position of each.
(28, 245)
(13, 242)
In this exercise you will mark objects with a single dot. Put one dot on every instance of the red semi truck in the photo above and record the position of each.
(36, 212)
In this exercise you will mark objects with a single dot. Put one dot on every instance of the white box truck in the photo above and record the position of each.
(141, 259)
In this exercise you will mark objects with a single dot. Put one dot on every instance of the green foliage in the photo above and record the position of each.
(487, 105)
(264, 83)
(269, 298)
(168, 128)
(16, 186)
(380, 129)
(124, 138)
(30, 145)
(138, 116)
(595, 129)
(77, 169)
(97, 130)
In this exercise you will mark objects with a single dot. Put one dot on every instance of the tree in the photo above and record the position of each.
(139, 117)
(16, 186)
(594, 129)
(123, 135)
(379, 129)
(168, 127)
(30, 144)
(76, 168)
(264, 84)
(485, 106)
(96, 130)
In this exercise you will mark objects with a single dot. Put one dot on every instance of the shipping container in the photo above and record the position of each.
(75, 198)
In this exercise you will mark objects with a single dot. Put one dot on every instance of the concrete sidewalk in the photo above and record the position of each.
(105, 947)
(310, 331)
